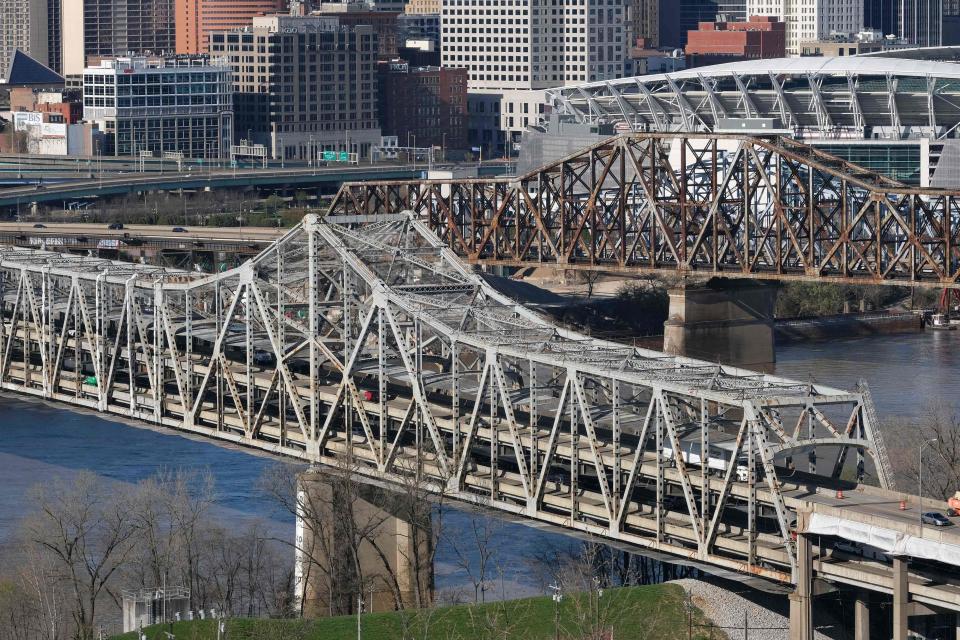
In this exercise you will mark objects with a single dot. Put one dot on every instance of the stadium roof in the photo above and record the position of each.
(814, 96)
(942, 54)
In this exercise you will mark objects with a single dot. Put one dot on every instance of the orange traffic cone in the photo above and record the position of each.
(839, 494)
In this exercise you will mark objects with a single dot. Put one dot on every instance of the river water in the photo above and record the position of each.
(906, 374)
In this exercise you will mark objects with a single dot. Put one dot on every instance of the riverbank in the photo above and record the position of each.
(658, 612)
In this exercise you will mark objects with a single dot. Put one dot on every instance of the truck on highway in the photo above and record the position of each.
(718, 458)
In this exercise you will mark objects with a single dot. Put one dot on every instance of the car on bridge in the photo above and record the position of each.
(935, 518)
(115, 226)
(179, 230)
(39, 225)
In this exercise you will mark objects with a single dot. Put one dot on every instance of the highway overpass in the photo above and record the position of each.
(105, 185)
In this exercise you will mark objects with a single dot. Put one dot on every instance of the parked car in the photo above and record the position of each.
(935, 518)
(115, 226)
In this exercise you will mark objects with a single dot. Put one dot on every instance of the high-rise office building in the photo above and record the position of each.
(523, 44)
(678, 17)
(921, 22)
(881, 15)
(423, 106)
(420, 27)
(33, 26)
(106, 28)
(951, 23)
(644, 20)
(157, 105)
(515, 49)
(303, 84)
(196, 19)
(353, 14)
(812, 19)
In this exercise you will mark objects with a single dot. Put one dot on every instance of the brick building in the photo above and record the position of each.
(423, 106)
(356, 14)
(714, 42)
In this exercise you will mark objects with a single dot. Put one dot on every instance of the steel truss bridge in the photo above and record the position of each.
(369, 343)
(712, 204)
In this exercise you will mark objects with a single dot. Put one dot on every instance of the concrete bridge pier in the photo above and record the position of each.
(901, 612)
(801, 600)
(861, 616)
(354, 542)
(727, 321)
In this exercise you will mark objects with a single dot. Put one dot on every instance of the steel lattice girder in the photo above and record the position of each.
(713, 204)
(376, 347)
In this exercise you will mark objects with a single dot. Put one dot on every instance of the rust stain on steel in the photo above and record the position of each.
(697, 204)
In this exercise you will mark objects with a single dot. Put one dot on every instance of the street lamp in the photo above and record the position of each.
(920, 483)
(599, 591)
(359, 609)
(557, 599)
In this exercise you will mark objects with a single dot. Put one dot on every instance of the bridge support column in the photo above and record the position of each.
(901, 598)
(726, 321)
(354, 540)
(801, 600)
(861, 616)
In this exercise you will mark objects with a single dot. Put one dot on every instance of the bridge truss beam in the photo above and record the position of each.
(708, 204)
(374, 347)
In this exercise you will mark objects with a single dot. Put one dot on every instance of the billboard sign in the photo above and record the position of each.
(22, 120)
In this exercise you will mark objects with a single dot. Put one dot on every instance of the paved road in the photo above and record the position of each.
(202, 180)
(144, 231)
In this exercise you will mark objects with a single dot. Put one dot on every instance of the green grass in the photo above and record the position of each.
(633, 613)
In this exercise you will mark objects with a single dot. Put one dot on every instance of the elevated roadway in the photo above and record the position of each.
(364, 341)
(202, 179)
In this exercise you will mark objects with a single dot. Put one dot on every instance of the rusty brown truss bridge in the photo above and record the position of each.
(711, 204)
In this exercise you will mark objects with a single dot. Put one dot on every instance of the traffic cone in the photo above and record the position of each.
(839, 494)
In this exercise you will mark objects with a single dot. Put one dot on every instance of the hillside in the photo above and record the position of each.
(634, 613)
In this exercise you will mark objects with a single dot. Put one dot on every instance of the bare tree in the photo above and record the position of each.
(172, 513)
(475, 551)
(37, 578)
(340, 520)
(941, 459)
(84, 527)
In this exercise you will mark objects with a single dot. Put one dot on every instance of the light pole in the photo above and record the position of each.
(557, 599)
(599, 591)
(359, 609)
(920, 483)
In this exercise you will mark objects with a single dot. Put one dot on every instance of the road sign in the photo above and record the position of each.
(330, 156)
(344, 156)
